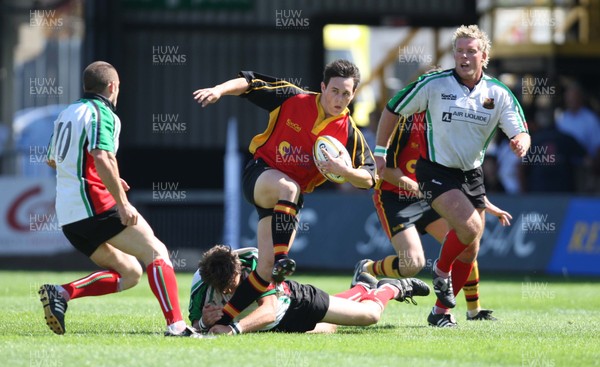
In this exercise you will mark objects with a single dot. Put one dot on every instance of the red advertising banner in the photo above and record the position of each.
(28, 223)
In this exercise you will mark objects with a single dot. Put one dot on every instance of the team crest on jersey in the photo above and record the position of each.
(488, 103)
(290, 154)
(448, 97)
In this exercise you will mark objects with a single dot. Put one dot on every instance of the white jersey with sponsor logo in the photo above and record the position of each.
(459, 122)
(85, 125)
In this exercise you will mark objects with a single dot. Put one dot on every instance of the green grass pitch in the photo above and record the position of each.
(543, 322)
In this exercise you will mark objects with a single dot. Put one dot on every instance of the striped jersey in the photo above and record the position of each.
(296, 119)
(406, 146)
(89, 123)
(202, 293)
(460, 122)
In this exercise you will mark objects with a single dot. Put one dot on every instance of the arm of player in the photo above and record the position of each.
(233, 87)
(358, 177)
(108, 170)
(503, 216)
(395, 176)
(50, 161)
(210, 315)
(263, 315)
(520, 144)
(387, 123)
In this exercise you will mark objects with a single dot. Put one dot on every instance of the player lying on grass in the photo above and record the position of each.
(289, 306)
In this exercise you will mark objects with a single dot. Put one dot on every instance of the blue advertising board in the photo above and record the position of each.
(337, 229)
(577, 251)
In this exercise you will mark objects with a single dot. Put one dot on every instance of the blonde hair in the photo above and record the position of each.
(473, 31)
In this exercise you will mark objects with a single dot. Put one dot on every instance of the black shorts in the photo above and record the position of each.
(397, 214)
(308, 306)
(88, 234)
(436, 179)
(255, 168)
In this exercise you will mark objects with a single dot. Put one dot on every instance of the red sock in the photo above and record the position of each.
(460, 274)
(163, 283)
(95, 284)
(451, 248)
(440, 308)
(354, 294)
(380, 295)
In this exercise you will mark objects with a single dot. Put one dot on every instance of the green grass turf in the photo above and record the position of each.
(543, 322)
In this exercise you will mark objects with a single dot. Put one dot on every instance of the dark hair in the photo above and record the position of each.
(219, 267)
(98, 75)
(341, 68)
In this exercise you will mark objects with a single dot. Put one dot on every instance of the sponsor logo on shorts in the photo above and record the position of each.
(436, 182)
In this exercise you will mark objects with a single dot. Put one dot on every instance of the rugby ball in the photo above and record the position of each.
(333, 147)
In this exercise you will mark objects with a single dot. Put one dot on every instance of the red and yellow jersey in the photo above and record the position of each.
(296, 119)
(406, 146)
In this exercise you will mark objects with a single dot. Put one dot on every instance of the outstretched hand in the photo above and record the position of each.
(503, 216)
(207, 96)
(517, 148)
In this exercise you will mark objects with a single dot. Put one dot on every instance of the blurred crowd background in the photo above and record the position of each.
(546, 51)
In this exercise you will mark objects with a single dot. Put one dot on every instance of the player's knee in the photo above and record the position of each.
(130, 275)
(372, 317)
(471, 230)
(289, 190)
(469, 254)
(469, 233)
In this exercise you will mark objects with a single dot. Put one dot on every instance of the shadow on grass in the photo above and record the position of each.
(83, 333)
(375, 328)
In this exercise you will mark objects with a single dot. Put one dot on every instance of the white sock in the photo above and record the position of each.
(63, 292)
(177, 327)
(473, 313)
(442, 274)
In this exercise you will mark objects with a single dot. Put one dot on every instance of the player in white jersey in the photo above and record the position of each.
(94, 212)
(289, 306)
(463, 109)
